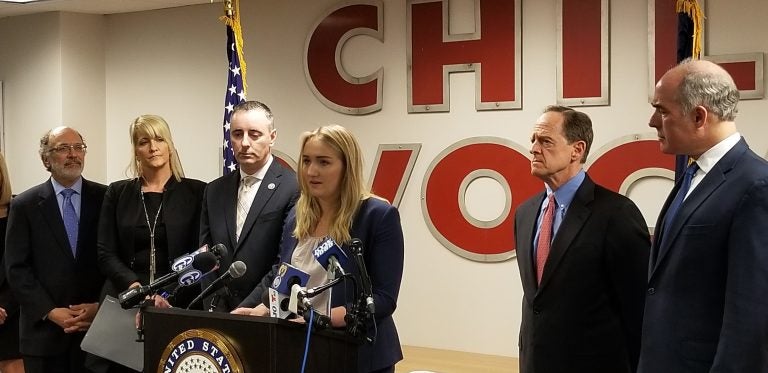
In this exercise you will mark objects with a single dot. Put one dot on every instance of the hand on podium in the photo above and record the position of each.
(260, 310)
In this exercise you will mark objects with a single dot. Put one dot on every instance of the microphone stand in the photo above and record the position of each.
(363, 309)
(140, 329)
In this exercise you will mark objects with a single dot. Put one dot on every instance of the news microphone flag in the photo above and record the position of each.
(328, 249)
(236, 83)
(287, 275)
(280, 291)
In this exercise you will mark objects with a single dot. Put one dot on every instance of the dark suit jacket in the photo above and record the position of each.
(707, 305)
(587, 314)
(260, 237)
(377, 225)
(7, 300)
(182, 203)
(42, 271)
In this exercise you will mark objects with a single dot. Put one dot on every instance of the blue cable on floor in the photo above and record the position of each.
(309, 334)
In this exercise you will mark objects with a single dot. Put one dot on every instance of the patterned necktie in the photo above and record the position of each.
(244, 202)
(545, 237)
(674, 207)
(70, 219)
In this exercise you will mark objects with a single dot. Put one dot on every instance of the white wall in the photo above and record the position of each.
(53, 68)
(83, 91)
(173, 62)
(30, 68)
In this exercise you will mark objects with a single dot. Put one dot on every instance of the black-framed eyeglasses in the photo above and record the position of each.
(66, 148)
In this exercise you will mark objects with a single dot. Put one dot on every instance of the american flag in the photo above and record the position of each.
(690, 21)
(235, 95)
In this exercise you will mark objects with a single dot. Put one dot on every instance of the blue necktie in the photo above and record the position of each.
(674, 207)
(70, 219)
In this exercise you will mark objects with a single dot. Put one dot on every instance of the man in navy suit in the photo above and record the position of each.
(245, 210)
(50, 257)
(583, 254)
(706, 307)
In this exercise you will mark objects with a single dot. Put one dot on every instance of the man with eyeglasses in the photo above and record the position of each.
(50, 257)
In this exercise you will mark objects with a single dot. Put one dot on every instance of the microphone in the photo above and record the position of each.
(202, 263)
(279, 292)
(220, 251)
(356, 246)
(331, 257)
(236, 270)
(183, 262)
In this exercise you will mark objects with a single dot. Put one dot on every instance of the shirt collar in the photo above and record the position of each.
(259, 175)
(707, 160)
(564, 195)
(77, 186)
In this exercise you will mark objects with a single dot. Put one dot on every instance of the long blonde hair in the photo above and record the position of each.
(153, 126)
(5, 184)
(353, 189)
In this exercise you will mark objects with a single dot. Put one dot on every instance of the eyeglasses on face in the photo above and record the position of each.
(66, 148)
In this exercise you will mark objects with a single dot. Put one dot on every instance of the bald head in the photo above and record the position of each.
(695, 106)
(704, 83)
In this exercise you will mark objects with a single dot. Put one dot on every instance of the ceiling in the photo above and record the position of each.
(93, 6)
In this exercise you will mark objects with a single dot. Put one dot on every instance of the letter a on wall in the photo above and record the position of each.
(326, 77)
(492, 52)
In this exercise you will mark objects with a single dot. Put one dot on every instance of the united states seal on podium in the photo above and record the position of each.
(200, 351)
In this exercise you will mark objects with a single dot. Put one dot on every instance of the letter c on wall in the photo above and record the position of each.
(326, 77)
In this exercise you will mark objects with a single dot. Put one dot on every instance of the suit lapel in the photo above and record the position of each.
(89, 213)
(574, 219)
(267, 188)
(658, 228)
(229, 203)
(529, 214)
(711, 182)
(49, 208)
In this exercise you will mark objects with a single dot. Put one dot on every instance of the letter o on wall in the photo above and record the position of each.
(443, 201)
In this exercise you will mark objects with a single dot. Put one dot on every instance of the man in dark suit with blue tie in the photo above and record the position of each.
(50, 257)
(245, 209)
(706, 307)
(583, 252)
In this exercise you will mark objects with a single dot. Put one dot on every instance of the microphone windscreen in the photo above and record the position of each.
(205, 262)
(220, 250)
(237, 269)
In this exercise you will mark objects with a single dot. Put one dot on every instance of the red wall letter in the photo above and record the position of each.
(442, 204)
(333, 86)
(493, 52)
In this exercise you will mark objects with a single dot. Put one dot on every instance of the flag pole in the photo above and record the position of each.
(236, 85)
(231, 18)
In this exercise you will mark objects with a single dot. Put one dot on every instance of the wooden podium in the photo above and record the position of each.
(247, 344)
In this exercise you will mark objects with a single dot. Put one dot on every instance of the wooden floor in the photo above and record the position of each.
(445, 361)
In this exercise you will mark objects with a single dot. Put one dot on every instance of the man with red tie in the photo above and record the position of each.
(583, 257)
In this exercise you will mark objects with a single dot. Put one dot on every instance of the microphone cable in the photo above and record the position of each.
(309, 334)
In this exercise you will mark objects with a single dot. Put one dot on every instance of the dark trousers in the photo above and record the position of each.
(71, 361)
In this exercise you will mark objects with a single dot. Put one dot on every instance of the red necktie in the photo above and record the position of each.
(545, 237)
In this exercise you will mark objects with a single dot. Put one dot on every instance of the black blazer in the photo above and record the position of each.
(587, 314)
(41, 269)
(706, 309)
(260, 237)
(122, 208)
